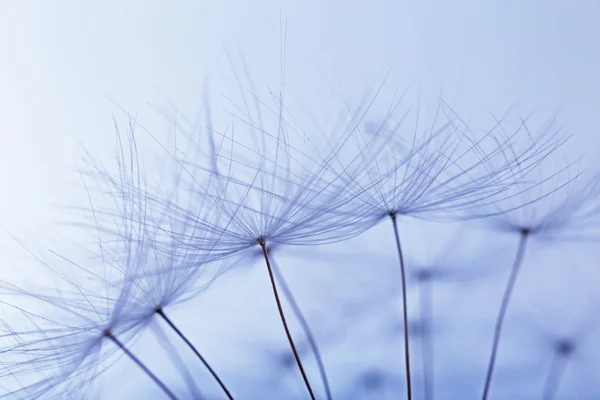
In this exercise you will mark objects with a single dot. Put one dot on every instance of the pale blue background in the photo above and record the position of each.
(62, 61)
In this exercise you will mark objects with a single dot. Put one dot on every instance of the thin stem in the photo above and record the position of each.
(426, 316)
(503, 307)
(143, 367)
(557, 370)
(284, 322)
(162, 314)
(178, 362)
(304, 324)
(404, 308)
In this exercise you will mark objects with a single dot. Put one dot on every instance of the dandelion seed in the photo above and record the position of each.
(547, 206)
(170, 272)
(70, 348)
(262, 201)
(441, 176)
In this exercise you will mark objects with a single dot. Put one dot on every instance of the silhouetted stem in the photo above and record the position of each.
(304, 324)
(284, 322)
(557, 369)
(193, 348)
(426, 316)
(404, 308)
(503, 307)
(143, 367)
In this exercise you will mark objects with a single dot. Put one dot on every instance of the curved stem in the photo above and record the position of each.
(503, 307)
(143, 367)
(178, 362)
(404, 309)
(284, 322)
(426, 316)
(304, 324)
(161, 312)
(557, 369)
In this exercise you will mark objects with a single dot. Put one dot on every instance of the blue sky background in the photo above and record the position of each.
(63, 63)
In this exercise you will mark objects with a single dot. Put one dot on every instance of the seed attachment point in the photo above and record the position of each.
(261, 240)
(564, 347)
(525, 231)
